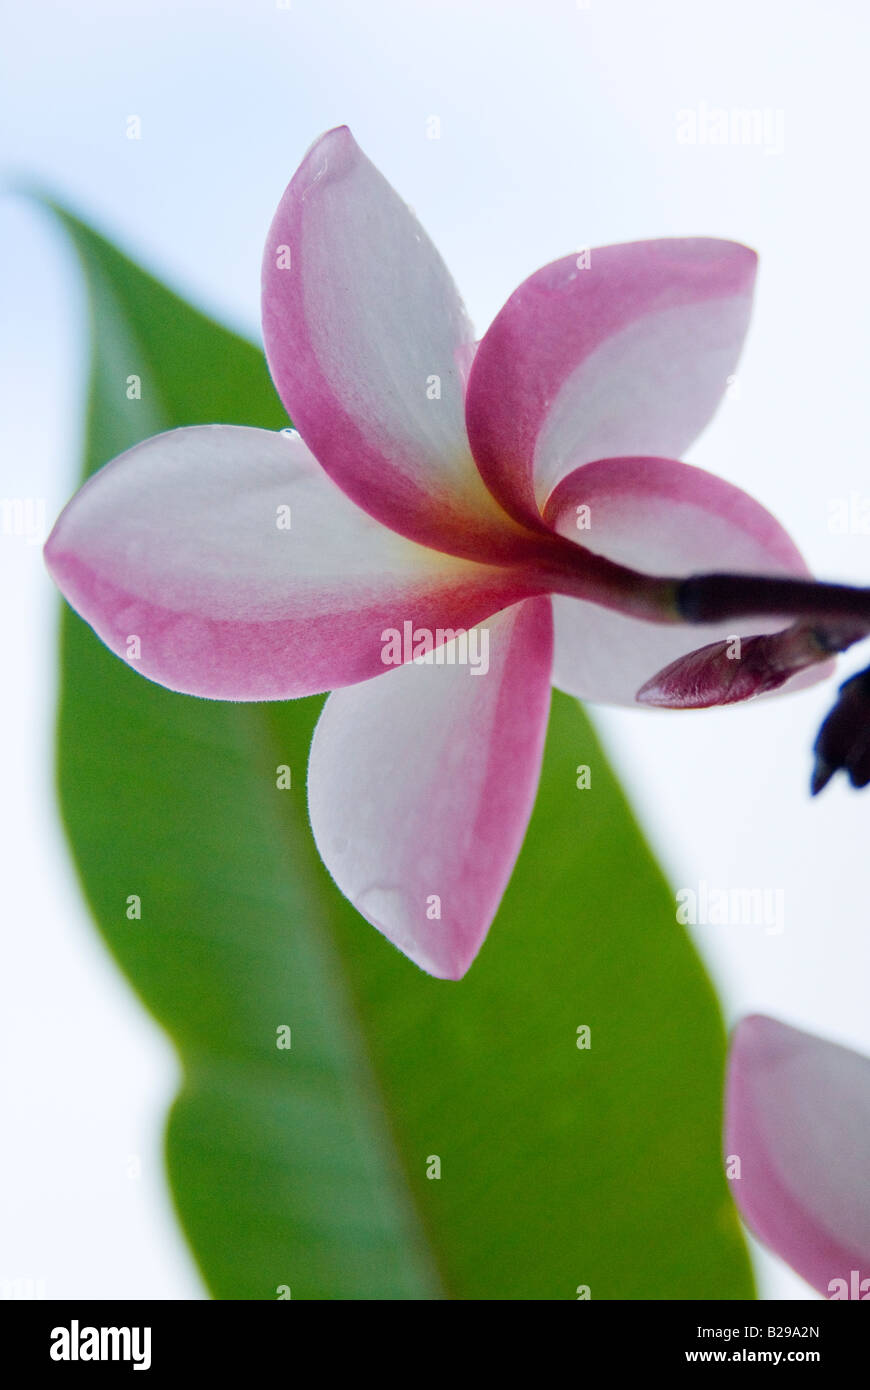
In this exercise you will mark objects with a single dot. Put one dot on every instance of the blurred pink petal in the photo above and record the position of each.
(798, 1119)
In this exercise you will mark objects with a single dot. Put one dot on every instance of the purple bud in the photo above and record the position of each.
(739, 668)
(721, 674)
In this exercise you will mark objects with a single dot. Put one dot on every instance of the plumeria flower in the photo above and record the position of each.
(522, 492)
(798, 1121)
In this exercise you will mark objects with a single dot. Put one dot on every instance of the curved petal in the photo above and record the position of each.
(628, 355)
(245, 573)
(798, 1119)
(420, 788)
(369, 347)
(665, 518)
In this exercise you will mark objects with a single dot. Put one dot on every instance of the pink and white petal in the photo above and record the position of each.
(629, 355)
(245, 573)
(665, 518)
(420, 788)
(369, 347)
(798, 1118)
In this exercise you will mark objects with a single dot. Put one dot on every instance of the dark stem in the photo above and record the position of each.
(711, 598)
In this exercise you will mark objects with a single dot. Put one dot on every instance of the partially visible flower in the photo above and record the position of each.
(436, 485)
(797, 1121)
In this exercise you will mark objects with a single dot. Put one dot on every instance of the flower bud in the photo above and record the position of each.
(844, 738)
(738, 669)
(720, 674)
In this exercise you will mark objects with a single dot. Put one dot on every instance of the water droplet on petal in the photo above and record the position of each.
(392, 910)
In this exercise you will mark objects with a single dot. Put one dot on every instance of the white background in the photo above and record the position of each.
(558, 130)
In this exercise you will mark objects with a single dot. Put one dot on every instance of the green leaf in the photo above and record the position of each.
(311, 1166)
